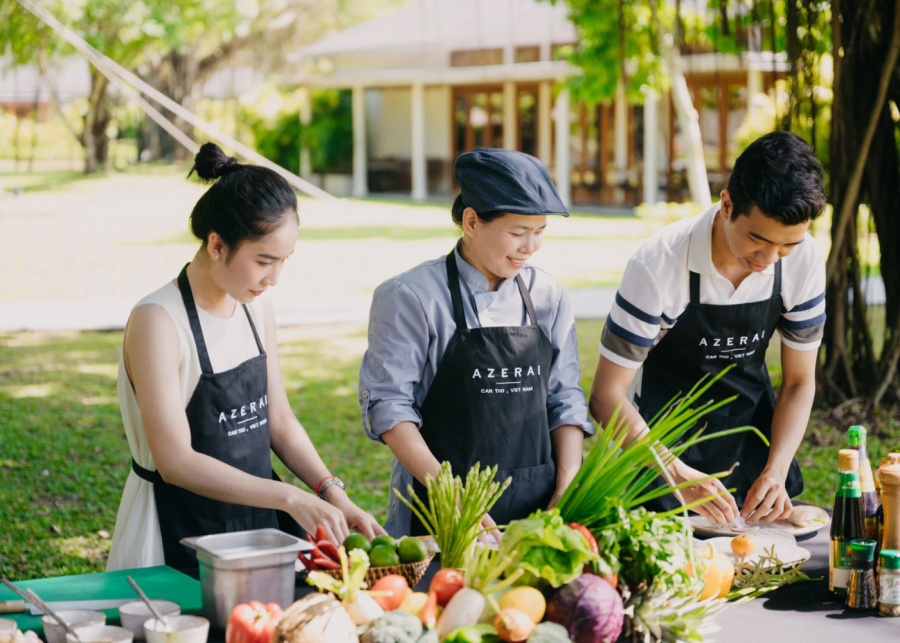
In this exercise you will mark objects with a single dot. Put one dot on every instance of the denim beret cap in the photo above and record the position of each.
(497, 180)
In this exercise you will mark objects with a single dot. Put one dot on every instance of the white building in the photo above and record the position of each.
(440, 77)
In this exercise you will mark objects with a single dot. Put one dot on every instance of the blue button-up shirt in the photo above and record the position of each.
(411, 323)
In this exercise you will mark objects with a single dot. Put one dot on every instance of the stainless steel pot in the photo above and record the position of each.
(243, 566)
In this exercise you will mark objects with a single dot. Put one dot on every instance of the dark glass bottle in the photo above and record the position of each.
(848, 522)
(857, 435)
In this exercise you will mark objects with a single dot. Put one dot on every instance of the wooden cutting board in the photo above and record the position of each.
(157, 582)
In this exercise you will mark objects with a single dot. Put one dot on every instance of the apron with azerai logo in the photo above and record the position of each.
(706, 339)
(488, 404)
(228, 415)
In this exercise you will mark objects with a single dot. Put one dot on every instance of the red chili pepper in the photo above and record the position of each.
(429, 612)
(253, 623)
(321, 534)
(325, 563)
(307, 562)
(315, 551)
(328, 548)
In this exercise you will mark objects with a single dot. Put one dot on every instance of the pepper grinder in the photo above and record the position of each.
(862, 592)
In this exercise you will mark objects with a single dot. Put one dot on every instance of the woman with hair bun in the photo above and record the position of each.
(201, 391)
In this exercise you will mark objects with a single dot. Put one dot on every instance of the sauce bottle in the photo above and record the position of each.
(857, 435)
(848, 521)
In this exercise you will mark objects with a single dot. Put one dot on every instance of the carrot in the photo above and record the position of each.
(429, 612)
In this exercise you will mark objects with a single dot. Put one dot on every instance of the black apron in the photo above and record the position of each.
(229, 419)
(488, 404)
(706, 339)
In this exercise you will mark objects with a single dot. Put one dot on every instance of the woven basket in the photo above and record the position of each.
(412, 572)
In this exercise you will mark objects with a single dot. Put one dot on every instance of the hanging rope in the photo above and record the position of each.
(122, 79)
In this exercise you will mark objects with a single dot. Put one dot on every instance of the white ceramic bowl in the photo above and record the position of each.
(185, 629)
(103, 634)
(78, 619)
(134, 614)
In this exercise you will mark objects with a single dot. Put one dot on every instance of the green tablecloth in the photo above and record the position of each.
(157, 582)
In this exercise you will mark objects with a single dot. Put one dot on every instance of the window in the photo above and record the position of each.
(528, 54)
(476, 57)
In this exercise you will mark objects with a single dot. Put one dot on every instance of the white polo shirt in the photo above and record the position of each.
(655, 290)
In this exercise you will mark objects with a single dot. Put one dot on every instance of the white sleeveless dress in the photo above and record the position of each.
(137, 541)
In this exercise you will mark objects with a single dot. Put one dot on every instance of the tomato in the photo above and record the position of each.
(253, 623)
(396, 586)
(588, 536)
(445, 583)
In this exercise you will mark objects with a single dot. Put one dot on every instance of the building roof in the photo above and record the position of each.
(450, 25)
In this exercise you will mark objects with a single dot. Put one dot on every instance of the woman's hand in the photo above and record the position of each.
(356, 518)
(720, 510)
(310, 512)
(492, 534)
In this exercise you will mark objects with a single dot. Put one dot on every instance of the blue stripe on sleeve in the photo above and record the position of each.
(670, 322)
(627, 335)
(787, 324)
(634, 311)
(812, 303)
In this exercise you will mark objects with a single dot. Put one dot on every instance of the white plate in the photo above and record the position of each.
(704, 528)
(786, 551)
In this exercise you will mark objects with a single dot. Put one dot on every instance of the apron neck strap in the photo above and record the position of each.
(459, 313)
(191, 307)
(188, 297)
(776, 286)
(695, 287)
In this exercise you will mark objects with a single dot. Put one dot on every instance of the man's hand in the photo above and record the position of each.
(718, 511)
(767, 499)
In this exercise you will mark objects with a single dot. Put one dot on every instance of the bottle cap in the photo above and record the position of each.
(862, 551)
(848, 460)
(857, 435)
(890, 559)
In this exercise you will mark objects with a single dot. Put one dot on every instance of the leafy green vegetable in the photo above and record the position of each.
(614, 472)
(762, 577)
(481, 633)
(645, 548)
(545, 548)
(454, 512)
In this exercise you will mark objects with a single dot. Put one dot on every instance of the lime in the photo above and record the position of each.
(384, 540)
(357, 541)
(383, 556)
(412, 550)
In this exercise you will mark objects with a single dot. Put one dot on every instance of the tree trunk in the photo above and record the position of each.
(93, 136)
(864, 168)
(183, 85)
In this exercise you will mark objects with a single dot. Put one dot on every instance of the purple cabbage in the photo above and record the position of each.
(589, 608)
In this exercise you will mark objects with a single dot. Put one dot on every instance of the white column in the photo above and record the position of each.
(651, 136)
(305, 120)
(419, 168)
(545, 105)
(621, 137)
(563, 187)
(510, 120)
(360, 179)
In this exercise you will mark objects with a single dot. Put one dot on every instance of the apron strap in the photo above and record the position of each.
(526, 297)
(776, 287)
(695, 288)
(188, 297)
(253, 328)
(145, 474)
(459, 313)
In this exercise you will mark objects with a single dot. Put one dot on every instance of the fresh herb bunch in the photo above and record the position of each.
(644, 549)
(615, 472)
(454, 511)
(766, 574)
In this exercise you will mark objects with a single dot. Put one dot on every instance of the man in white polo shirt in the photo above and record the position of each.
(708, 292)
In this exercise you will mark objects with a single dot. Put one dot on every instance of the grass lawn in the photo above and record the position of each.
(64, 458)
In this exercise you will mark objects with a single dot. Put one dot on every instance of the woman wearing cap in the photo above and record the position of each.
(201, 392)
(472, 357)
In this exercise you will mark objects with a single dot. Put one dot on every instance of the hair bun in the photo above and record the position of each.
(212, 163)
